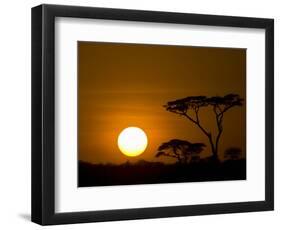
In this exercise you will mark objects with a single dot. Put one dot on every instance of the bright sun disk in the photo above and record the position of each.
(132, 141)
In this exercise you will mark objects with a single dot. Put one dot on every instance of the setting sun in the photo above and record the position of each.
(132, 141)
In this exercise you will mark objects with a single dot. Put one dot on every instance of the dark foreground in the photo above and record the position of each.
(144, 172)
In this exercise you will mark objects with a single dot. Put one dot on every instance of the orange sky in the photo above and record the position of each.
(121, 85)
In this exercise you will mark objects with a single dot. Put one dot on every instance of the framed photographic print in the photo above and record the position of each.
(142, 114)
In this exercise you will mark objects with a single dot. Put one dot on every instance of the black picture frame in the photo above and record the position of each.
(43, 114)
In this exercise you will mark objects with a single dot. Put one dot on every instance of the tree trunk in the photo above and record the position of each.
(214, 150)
(215, 156)
(209, 135)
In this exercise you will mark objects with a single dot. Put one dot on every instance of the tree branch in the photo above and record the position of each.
(226, 108)
(215, 110)
(198, 124)
(169, 155)
(219, 119)
(197, 116)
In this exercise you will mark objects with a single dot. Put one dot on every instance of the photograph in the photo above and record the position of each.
(153, 113)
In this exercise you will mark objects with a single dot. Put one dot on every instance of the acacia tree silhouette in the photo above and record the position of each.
(180, 149)
(220, 106)
(232, 153)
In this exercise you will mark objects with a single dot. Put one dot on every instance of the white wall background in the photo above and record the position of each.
(15, 114)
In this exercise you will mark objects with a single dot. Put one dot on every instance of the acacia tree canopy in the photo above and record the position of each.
(181, 106)
(232, 153)
(180, 149)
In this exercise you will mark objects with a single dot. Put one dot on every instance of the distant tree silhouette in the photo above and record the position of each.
(232, 153)
(181, 150)
(220, 105)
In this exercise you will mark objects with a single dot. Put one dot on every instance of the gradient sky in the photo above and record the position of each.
(122, 85)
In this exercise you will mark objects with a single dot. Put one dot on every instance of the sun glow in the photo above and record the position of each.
(132, 141)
